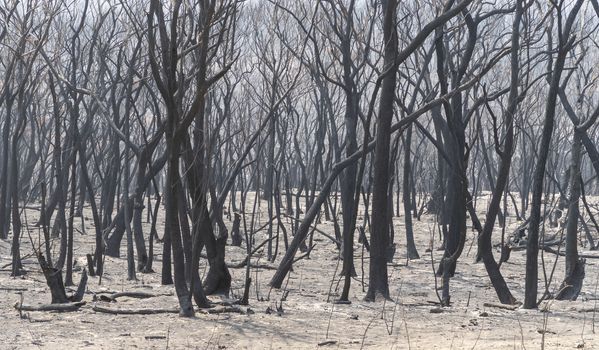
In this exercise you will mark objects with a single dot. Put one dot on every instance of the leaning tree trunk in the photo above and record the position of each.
(484, 239)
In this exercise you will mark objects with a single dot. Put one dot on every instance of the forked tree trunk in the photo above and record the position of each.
(532, 247)
(484, 241)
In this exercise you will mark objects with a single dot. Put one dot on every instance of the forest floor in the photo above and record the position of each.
(308, 320)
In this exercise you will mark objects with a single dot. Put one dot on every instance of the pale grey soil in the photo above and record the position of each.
(307, 318)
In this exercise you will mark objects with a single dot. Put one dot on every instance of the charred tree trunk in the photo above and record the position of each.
(572, 284)
(484, 240)
(378, 280)
(172, 226)
(411, 246)
(532, 247)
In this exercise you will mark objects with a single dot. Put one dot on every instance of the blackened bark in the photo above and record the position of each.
(173, 229)
(484, 239)
(378, 280)
(54, 281)
(235, 234)
(532, 247)
(17, 267)
(69, 273)
(113, 243)
(411, 246)
(572, 284)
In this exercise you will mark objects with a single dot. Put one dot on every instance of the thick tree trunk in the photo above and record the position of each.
(173, 228)
(54, 281)
(378, 280)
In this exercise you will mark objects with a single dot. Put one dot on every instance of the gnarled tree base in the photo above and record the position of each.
(572, 284)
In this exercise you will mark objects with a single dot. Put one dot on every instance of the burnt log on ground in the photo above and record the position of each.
(113, 311)
(65, 307)
(151, 311)
(137, 295)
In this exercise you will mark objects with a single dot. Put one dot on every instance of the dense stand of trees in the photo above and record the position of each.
(350, 111)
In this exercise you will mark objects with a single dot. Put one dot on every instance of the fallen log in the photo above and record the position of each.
(114, 311)
(258, 266)
(137, 295)
(502, 306)
(222, 310)
(14, 289)
(211, 311)
(560, 253)
(590, 309)
(64, 307)
(327, 342)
